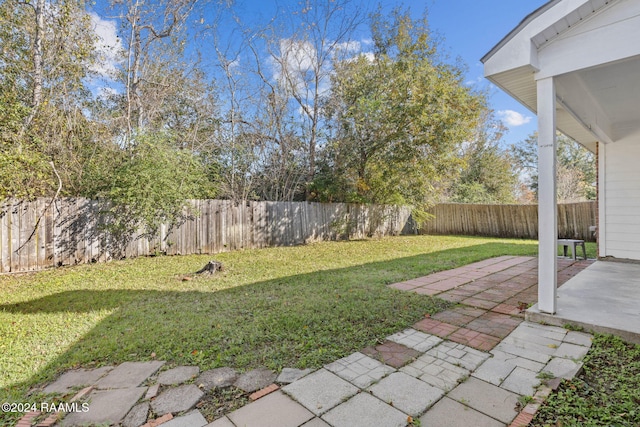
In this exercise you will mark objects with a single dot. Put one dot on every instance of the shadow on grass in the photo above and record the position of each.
(303, 320)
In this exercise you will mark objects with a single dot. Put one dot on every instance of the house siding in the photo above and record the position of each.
(622, 195)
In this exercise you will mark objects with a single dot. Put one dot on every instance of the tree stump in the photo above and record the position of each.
(210, 268)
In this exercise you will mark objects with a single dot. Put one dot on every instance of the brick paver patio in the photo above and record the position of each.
(491, 296)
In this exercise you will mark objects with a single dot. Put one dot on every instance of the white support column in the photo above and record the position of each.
(547, 205)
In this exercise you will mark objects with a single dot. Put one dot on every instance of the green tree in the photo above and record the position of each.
(44, 62)
(575, 168)
(149, 186)
(489, 175)
(399, 118)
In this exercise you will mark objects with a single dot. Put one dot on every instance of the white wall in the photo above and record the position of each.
(620, 201)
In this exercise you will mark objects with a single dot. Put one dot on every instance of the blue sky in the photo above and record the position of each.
(470, 28)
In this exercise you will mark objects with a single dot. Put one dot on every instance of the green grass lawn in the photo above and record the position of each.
(279, 307)
(605, 393)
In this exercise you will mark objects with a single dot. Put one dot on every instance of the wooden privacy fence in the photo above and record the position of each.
(519, 221)
(71, 231)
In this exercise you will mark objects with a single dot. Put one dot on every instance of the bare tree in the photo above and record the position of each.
(304, 61)
(149, 24)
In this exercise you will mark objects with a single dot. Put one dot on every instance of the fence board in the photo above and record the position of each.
(519, 221)
(71, 230)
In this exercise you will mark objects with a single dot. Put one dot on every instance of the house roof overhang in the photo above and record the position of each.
(591, 49)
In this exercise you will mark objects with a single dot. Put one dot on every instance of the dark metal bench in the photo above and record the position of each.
(573, 243)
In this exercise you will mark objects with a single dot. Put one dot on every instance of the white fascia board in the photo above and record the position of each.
(611, 36)
(520, 50)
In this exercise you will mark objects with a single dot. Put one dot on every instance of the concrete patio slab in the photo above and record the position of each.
(416, 340)
(129, 374)
(76, 378)
(190, 419)
(176, 399)
(359, 369)
(320, 391)
(178, 375)
(486, 398)
(602, 298)
(364, 410)
(406, 393)
(449, 413)
(274, 410)
(106, 407)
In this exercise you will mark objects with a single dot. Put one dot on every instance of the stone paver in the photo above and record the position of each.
(190, 419)
(435, 327)
(137, 415)
(494, 371)
(521, 381)
(221, 422)
(255, 380)
(523, 362)
(129, 374)
(579, 338)
(416, 340)
(178, 375)
(76, 378)
(474, 339)
(562, 368)
(571, 351)
(176, 399)
(316, 422)
(274, 410)
(320, 391)
(459, 355)
(406, 393)
(359, 369)
(289, 375)
(436, 372)
(106, 407)
(449, 413)
(219, 377)
(486, 398)
(364, 410)
(392, 353)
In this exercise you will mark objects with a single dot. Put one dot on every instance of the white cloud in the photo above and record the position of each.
(513, 118)
(108, 45)
(475, 81)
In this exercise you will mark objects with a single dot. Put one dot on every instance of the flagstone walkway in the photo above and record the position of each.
(468, 365)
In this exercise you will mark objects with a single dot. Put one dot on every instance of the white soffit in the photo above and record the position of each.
(581, 13)
(600, 102)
